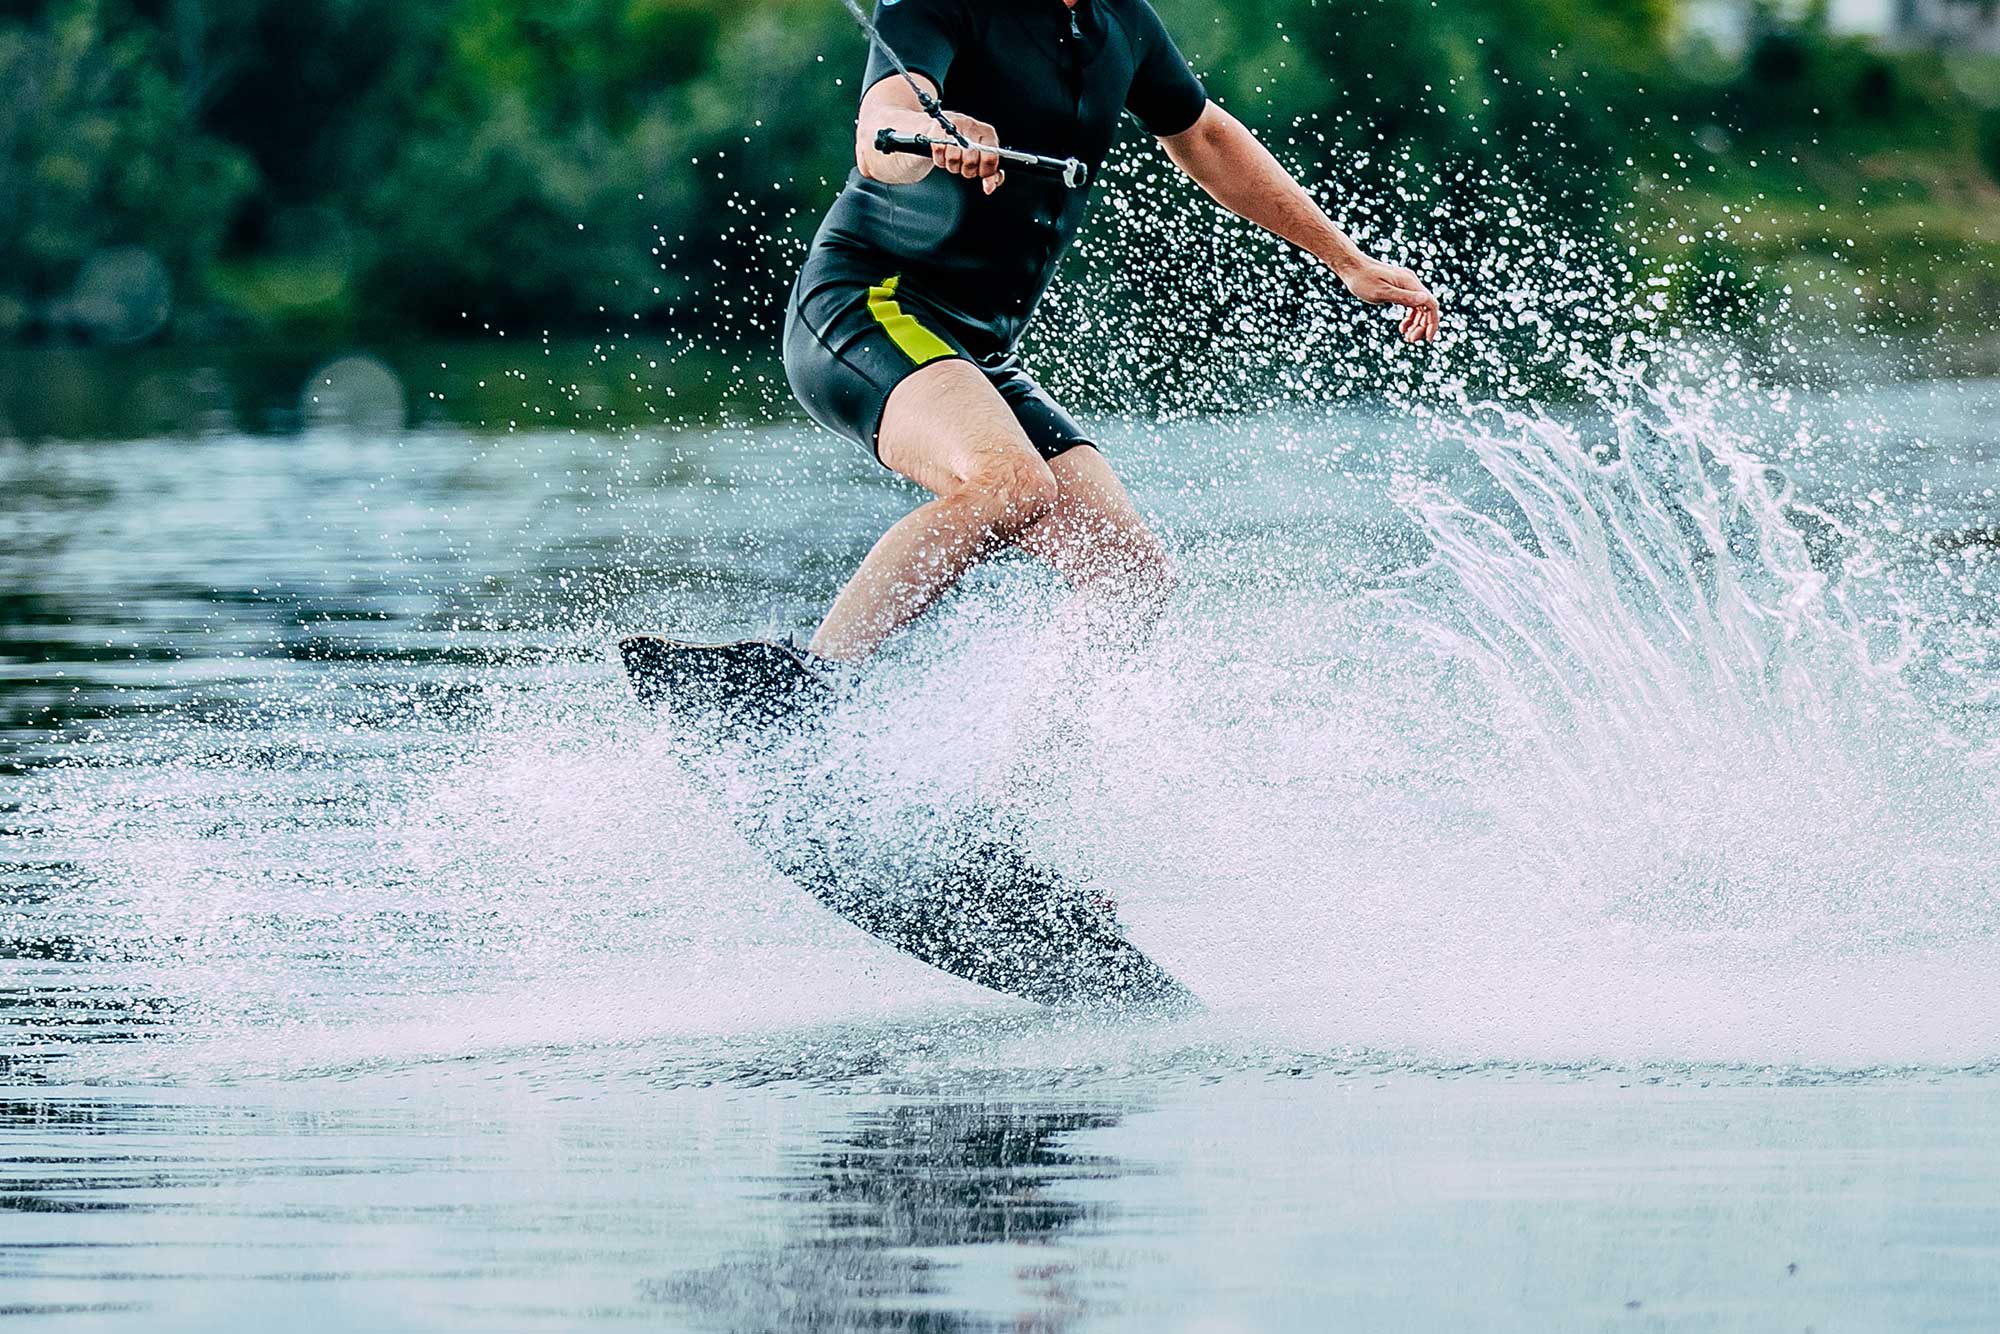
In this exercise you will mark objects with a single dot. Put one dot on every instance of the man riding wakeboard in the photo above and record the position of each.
(904, 324)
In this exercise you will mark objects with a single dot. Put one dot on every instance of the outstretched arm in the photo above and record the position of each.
(1225, 159)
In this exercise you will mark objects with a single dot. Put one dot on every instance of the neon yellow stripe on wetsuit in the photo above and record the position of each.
(918, 343)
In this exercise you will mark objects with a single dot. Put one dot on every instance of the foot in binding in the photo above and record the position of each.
(836, 674)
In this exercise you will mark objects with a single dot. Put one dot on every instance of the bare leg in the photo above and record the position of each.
(1122, 578)
(1096, 539)
(948, 430)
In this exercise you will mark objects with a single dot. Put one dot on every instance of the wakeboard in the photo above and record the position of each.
(950, 887)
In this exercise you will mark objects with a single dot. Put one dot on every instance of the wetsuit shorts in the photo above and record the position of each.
(856, 329)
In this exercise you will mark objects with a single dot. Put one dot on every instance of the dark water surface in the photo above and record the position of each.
(1588, 865)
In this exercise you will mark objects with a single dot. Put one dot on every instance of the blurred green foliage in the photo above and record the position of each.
(101, 141)
(368, 165)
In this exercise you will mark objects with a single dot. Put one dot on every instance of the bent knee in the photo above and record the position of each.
(1012, 494)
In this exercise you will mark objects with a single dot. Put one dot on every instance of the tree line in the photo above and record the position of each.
(209, 169)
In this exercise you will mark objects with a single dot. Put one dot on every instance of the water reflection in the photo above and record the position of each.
(934, 1215)
(890, 1220)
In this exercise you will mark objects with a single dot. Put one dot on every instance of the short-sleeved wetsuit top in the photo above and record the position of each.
(971, 266)
(1051, 80)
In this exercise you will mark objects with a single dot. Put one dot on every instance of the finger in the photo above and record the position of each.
(995, 181)
(989, 164)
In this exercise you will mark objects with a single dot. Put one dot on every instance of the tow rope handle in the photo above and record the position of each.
(1071, 172)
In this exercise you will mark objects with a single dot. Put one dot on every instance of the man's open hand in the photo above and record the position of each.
(1381, 284)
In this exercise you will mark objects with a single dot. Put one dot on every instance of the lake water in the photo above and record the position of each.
(1582, 833)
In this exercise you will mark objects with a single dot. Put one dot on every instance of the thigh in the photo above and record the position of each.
(1051, 430)
(945, 424)
(1095, 531)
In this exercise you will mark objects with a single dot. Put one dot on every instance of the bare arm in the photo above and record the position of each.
(1225, 159)
(891, 105)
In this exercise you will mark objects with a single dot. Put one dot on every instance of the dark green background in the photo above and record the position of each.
(295, 177)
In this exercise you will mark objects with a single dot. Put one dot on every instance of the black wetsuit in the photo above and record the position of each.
(903, 275)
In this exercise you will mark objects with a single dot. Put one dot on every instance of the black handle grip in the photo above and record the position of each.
(916, 145)
(1071, 172)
